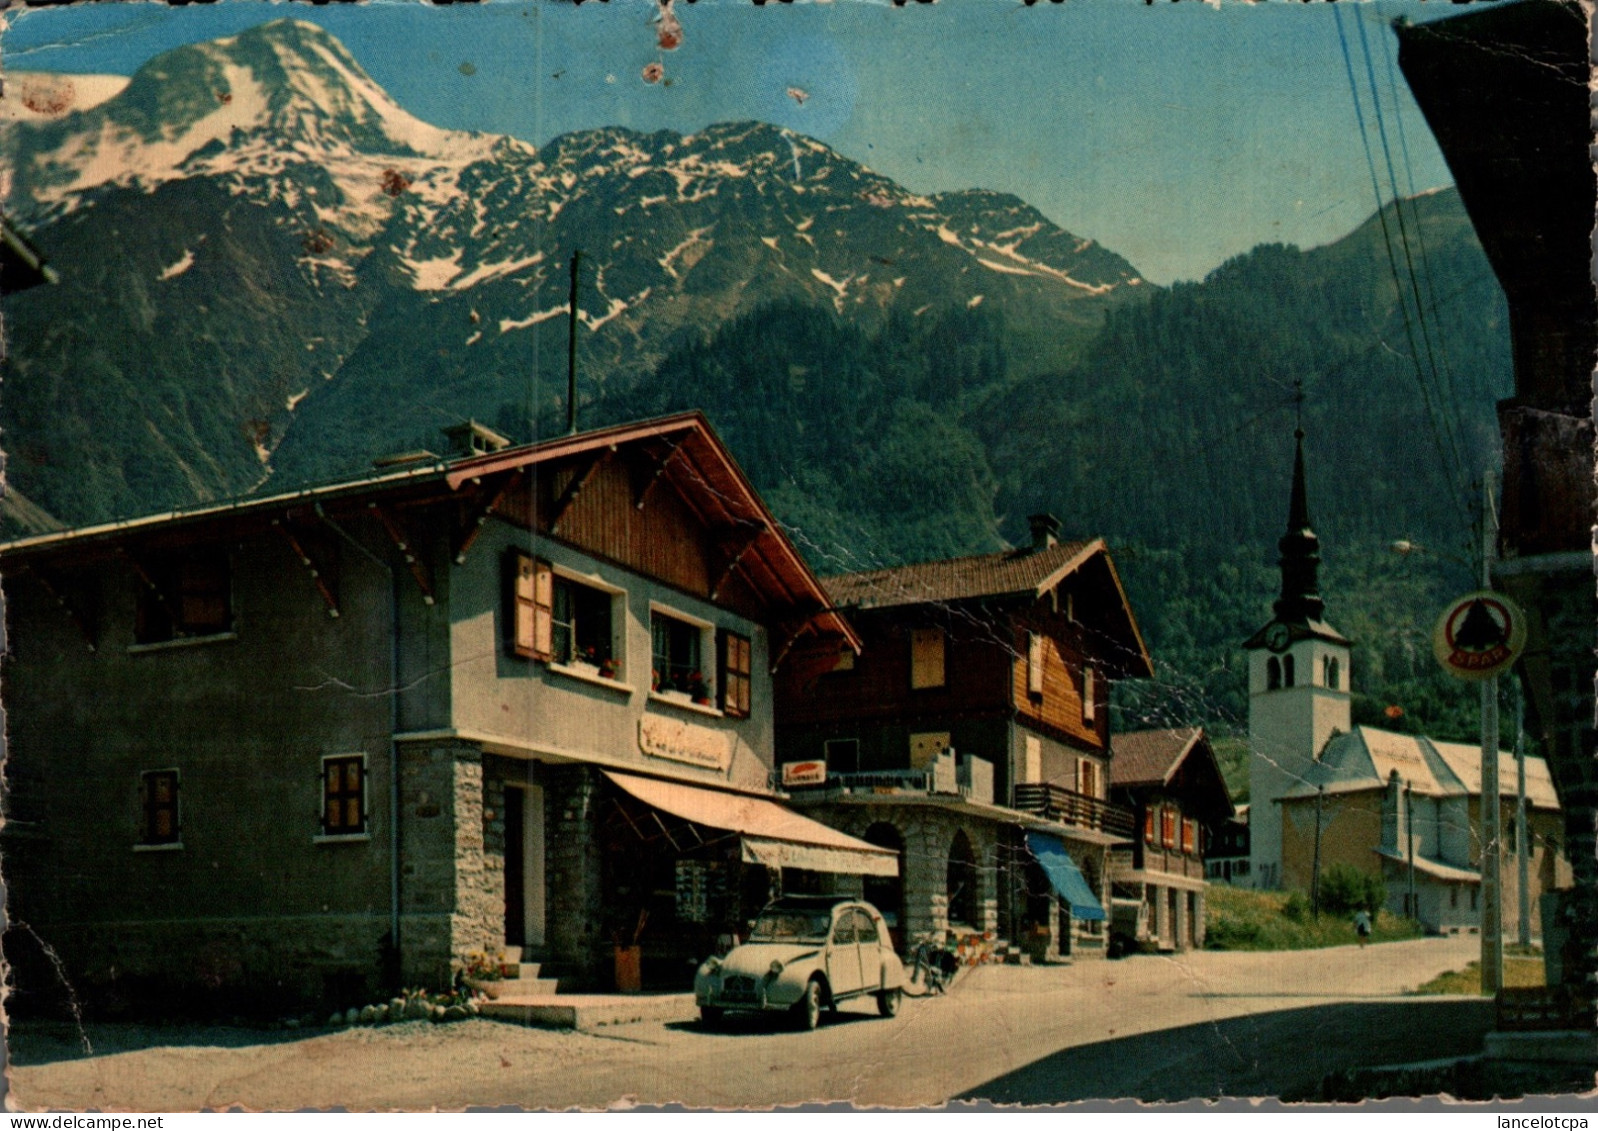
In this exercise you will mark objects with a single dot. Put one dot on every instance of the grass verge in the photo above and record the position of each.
(1518, 973)
(1239, 919)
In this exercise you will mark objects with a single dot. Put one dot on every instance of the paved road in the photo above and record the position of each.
(1203, 1024)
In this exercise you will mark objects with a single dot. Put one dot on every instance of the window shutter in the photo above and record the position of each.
(543, 613)
(1089, 691)
(926, 658)
(529, 597)
(1148, 826)
(1032, 767)
(733, 659)
(1034, 663)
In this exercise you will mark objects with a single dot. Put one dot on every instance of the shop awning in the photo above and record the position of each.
(1064, 875)
(769, 833)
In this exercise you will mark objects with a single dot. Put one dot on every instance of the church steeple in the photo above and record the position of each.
(1300, 601)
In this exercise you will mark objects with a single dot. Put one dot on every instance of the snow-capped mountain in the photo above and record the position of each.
(266, 239)
(260, 108)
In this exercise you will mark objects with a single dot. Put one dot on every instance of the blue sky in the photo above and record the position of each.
(1177, 134)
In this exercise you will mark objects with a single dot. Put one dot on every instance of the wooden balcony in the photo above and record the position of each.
(1068, 807)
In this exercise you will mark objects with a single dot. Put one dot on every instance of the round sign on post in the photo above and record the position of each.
(1480, 635)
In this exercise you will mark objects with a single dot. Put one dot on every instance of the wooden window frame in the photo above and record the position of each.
(1149, 836)
(150, 809)
(735, 659)
(340, 826)
(1167, 827)
(1189, 836)
(708, 663)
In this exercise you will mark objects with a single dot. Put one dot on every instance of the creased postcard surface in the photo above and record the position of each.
(732, 554)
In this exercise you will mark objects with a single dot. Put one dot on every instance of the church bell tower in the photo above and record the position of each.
(1298, 684)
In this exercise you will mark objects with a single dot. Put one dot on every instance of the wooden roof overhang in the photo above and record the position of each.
(1124, 647)
(678, 453)
(683, 453)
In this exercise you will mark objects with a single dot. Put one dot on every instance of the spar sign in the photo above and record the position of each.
(1479, 635)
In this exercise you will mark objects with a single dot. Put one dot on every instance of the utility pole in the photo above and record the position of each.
(1492, 929)
(1315, 874)
(1409, 835)
(1522, 840)
(571, 351)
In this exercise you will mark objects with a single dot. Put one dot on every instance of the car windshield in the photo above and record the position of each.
(789, 925)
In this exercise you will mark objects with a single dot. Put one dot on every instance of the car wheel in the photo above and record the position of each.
(888, 1002)
(710, 1016)
(807, 1010)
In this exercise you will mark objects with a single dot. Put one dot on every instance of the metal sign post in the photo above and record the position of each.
(1479, 636)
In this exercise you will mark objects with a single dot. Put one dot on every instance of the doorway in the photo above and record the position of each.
(524, 866)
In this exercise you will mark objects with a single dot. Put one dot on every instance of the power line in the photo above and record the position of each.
(1446, 411)
(1387, 243)
(1420, 236)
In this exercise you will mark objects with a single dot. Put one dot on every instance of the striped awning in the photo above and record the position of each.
(768, 833)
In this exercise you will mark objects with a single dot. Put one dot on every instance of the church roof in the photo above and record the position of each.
(1465, 762)
(1366, 757)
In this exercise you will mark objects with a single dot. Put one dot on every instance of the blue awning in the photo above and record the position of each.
(1064, 875)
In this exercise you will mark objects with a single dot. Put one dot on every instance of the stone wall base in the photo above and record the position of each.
(259, 967)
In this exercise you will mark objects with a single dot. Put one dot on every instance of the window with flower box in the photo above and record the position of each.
(582, 627)
(564, 619)
(679, 647)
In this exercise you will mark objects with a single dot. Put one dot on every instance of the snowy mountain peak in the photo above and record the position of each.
(282, 94)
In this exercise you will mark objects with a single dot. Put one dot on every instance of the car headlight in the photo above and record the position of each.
(776, 968)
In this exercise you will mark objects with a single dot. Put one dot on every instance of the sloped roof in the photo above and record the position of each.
(1143, 759)
(1367, 756)
(1414, 759)
(1150, 757)
(1433, 868)
(698, 466)
(1465, 762)
(1028, 572)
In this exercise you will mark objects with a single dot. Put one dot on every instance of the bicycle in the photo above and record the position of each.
(932, 968)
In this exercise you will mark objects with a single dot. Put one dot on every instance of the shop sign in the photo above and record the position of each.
(679, 741)
(1479, 635)
(805, 773)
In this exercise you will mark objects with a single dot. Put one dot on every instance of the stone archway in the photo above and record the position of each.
(960, 883)
(886, 893)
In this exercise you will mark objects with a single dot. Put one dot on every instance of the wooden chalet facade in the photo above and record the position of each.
(342, 738)
(1172, 783)
(971, 735)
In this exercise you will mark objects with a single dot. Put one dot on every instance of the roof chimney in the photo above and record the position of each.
(470, 438)
(1045, 530)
